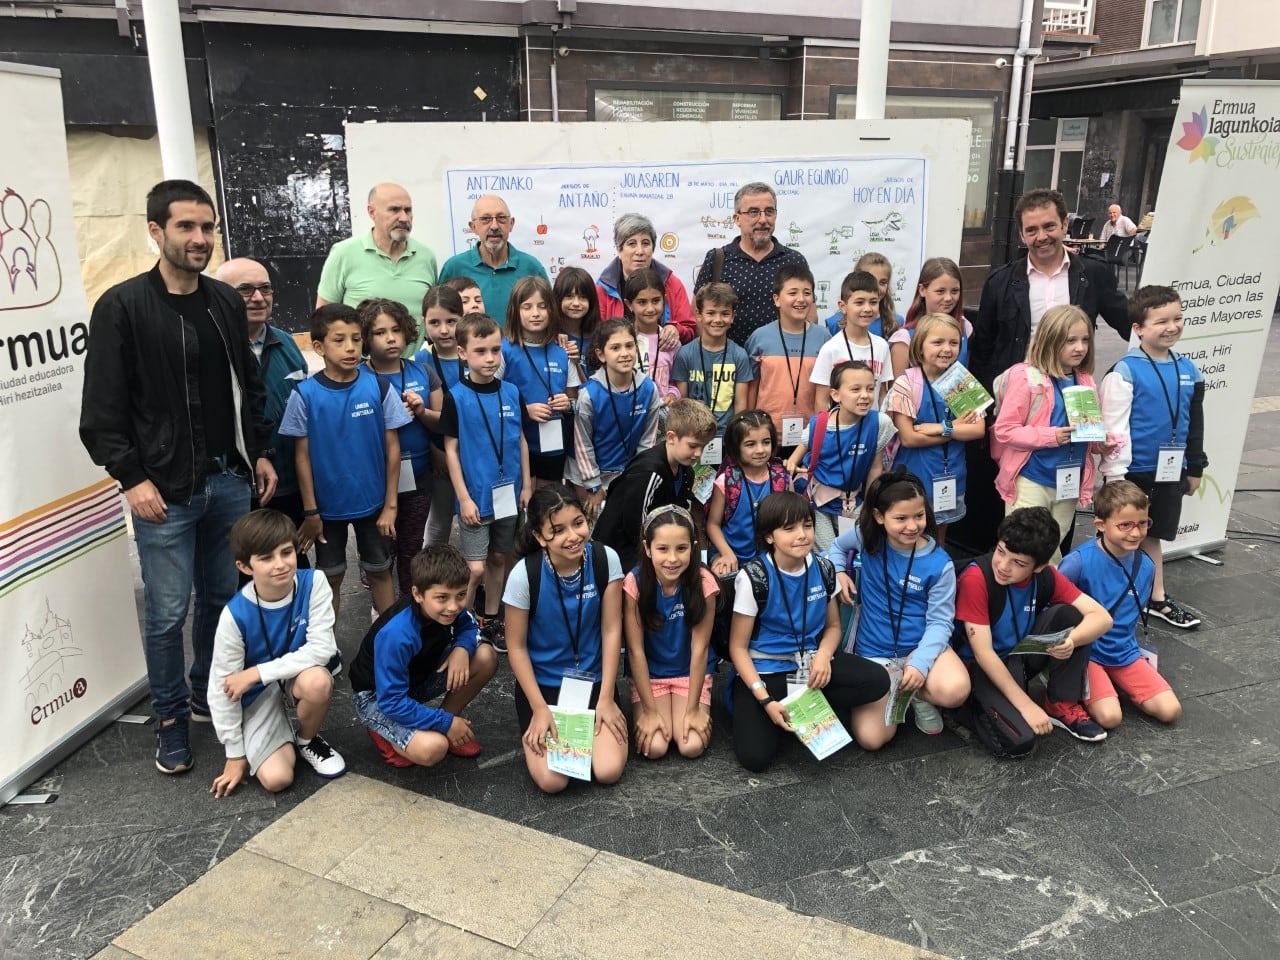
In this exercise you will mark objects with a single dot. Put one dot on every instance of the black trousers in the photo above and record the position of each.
(756, 738)
(994, 720)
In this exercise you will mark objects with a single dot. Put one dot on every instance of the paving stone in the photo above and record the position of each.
(1243, 924)
(112, 952)
(475, 872)
(425, 939)
(825, 940)
(251, 907)
(1146, 937)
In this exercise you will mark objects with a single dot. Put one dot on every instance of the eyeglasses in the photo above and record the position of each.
(1128, 526)
(501, 219)
(756, 212)
(247, 290)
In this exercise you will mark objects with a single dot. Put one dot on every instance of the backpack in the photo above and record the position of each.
(759, 578)
(599, 566)
(997, 593)
(779, 480)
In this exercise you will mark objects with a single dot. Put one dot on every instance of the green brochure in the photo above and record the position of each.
(895, 712)
(1084, 414)
(1040, 643)
(815, 723)
(962, 391)
(571, 754)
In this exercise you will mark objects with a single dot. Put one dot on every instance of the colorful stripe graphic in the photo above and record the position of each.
(43, 539)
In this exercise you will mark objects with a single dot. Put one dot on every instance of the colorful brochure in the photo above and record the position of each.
(571, 754)
(1084, 414)
(1040, 642)
(704, 475)
(899, 700)
(816, 724)
(962, 391)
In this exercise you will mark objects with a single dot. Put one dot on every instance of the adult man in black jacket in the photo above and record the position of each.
(173, 408)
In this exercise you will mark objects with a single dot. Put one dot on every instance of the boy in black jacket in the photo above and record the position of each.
(657, 477)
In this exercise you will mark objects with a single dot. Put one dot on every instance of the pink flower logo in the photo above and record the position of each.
(1194, 140)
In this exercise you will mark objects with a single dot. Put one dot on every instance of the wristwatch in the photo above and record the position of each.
(947, 428)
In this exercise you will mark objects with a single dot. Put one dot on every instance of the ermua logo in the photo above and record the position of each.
(1195, 139)
(72, 693)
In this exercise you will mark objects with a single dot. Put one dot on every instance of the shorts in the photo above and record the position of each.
(371, 715)
(524, 712)
(1166, 503)
(492, 536)
(265, 727)
(547, 466)
(679, 686)
(1138, 680)
(950, 516)
(373, 549)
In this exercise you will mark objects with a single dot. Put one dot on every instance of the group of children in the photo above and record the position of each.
(793, 477)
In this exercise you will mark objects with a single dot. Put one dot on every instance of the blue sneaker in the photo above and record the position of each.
(173, 751)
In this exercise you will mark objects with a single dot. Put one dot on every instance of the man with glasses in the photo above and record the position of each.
(751, 263)
(493, 262)
(281, 367)
(385, 262)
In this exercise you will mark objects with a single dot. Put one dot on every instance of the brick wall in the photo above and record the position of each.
(1118, 24)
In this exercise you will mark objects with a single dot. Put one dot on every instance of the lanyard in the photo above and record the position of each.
(372, 370)
(849, 465)
(643, 359)
(786, 355)
(1169, 405)
(493, 441)
(262, 620)
(1020, 634)
(933, 405)
(847, 345)
(765, 488)
(896, 627)
(538, 371)
(576, 630)
(1057, 389)
(440, 368)
(711, 386)
(1143, 614)
(803, 634)
(624, 436)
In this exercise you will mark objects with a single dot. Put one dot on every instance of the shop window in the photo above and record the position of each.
(979, 107)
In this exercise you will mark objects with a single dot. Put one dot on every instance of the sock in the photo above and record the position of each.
(303, 742)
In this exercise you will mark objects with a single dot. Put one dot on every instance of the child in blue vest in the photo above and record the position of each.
(578, 306)
(785, 621)
(569, 628)
(1004, 597)
(425, 646)
(667, 616)
(617, 413)
(1118, 573)
(275, 635)
(907, 604)
(488, 462)
(930, 439)
(442, 310)
(387, 329)
(750, 472)
(538, 366)
(889, 320)
(843, 450)
(347, 454)
(1153, 406)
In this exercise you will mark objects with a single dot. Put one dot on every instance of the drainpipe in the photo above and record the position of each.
(555, 78)
(1017, 115)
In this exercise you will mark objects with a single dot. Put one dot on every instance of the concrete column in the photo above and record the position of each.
(873, 58)
(169, 88)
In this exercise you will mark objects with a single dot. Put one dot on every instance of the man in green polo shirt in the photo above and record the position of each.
(493, 262)
(385, 262)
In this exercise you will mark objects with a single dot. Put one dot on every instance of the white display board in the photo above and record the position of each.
(844, 187)
(1216, 239)
(72, 660)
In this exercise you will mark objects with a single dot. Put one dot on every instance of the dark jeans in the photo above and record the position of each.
(189, 549)
(994, 720)
(756, 738)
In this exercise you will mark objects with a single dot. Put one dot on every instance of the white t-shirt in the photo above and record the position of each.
(838, 350)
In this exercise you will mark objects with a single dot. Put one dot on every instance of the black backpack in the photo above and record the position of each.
(996, 594)
(599, 566)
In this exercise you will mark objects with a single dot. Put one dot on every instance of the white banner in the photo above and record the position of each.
(71, 650)
(832, 210)
(1216, 240)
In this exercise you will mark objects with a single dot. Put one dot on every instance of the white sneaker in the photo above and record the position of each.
(928, 718)
(324, 760)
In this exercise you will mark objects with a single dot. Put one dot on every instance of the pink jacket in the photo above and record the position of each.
(1022, 426)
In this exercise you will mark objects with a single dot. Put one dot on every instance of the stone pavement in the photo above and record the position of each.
(1160, 842)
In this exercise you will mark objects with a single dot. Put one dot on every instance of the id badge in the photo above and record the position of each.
(713, 452)
(1151, 657)
(551, 436)
(1067, 486)
(798, 679)
(792, 431)
(849, 506)
(408, 479)
(1169, 463)
(845, 524)
(504, 500)
(575, 691)
(944, 492)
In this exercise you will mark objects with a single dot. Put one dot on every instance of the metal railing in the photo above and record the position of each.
(1064, 16)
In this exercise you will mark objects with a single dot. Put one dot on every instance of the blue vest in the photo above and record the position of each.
(1006, 632)
(1042, 466)
(740, 531)
(618, 421)
(1150, 426)
(929, 463)
(1101, 576)
(668, 651)
(846, 456)
(348, 448)
(793, 618)
(415, 439)
(880, 606)
(539, 373)
(488, 441)
(554, 624)
(286, 628)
